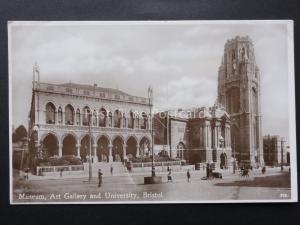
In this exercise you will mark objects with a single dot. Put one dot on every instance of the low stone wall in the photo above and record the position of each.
(56, 170)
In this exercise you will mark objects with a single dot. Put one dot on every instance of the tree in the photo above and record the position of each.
(19, 133)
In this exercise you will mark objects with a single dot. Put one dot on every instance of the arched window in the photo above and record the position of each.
(117, 119)
(69, 115)
(144, 121)
(78, 117)
(130, 120)
(50, 113)
(85, 116)
(102, 117)
(60, 115)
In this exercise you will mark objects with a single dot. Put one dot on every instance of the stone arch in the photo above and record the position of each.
(69, 142)
(117, 118)
(145, 145)
(50, 142)
(50, 113)
(86, 110)
(181, 150)
(131, 143)
(69, 114)
(63, 136)
(83, 135)
(85, 146)
(117, 147)
(103, 144)
(50, 132)
(103, 117)
(144, 120)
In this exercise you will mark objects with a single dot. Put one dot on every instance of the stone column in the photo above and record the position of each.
(107, 121)
(56, 117)
(124, 152)
(60, 150)
(97, 120)
(110, 157)
(78, 145)
(121, 122)
(63, 117)
(137, 150)
(95, 157)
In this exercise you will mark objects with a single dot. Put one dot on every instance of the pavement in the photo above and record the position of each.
(130, 187)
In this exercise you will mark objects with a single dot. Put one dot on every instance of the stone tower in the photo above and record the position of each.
(239, 93)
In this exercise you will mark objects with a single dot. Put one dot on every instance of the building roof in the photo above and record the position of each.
(93, 88)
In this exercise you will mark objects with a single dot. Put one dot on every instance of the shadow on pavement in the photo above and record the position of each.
(277, 181)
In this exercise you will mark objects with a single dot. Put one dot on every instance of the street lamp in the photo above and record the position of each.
(150, 96)
(153, 179)
(90, 145)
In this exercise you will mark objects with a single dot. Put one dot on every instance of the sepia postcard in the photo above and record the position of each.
(152, 112)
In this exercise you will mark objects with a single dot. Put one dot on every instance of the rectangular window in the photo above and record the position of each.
(69, 90)
(50, 88)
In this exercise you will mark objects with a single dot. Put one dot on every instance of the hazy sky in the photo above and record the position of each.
(179, 61)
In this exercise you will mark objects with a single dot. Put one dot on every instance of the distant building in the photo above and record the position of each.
(195, 135)
(275, 150)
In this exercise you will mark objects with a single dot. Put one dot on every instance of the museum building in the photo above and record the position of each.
(71, 119)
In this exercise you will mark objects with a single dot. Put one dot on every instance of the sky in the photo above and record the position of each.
(180, 61)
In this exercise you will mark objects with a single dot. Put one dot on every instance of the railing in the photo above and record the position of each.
(93, 129)
(149, 164)
(47, 170)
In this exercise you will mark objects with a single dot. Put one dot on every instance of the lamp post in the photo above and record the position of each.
(90, 146)
(153, 179)
(150, 96)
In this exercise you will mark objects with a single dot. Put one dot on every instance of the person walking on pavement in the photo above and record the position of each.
(188, 175)
(170, 176)
(111, 169)
(100, 177)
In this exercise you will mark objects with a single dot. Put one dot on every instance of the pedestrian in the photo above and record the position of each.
(100, 177)
(263, 170)
(188, 175)
(61, 172)
(170, 176)
(111, 169)
(26, 173)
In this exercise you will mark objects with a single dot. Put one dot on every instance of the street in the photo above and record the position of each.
(274, 185)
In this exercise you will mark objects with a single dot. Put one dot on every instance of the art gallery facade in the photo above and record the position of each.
(71, 119)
